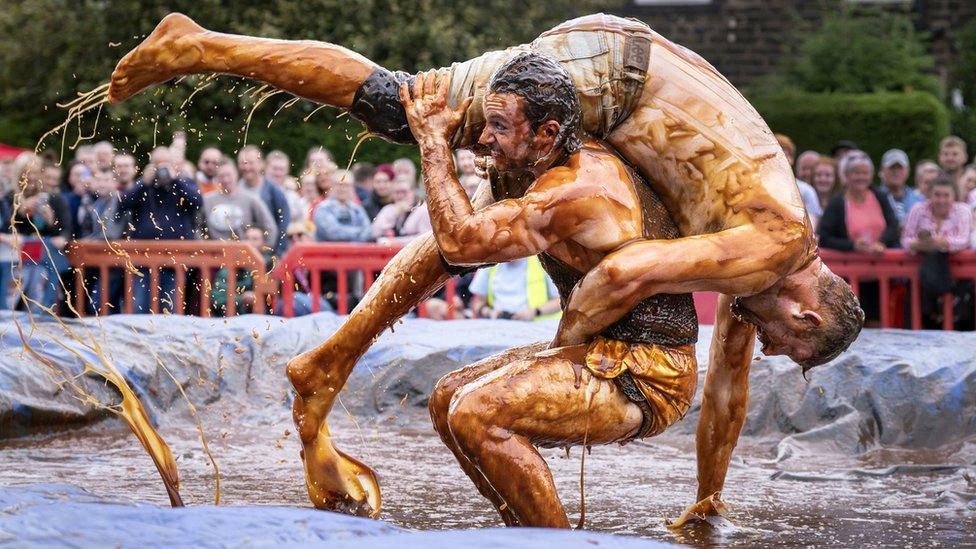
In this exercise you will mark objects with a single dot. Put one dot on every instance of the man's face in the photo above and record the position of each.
(895, 176)
(124, 167)
(103, 157)
(805, 166)
(251, 166)
(277, 171)
(80, 178)
(227, 178)
(103, 184)
(209, 162)
(951, 157)
(342, 189)
(508, 134)
(319, 161)
(785, 313)
(161, 158)
(87, 157)
(52, 179)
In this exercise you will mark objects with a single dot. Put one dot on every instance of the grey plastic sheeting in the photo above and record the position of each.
(892, 389)
(62, 515)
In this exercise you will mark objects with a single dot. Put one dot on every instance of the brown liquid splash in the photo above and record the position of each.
(130, 409)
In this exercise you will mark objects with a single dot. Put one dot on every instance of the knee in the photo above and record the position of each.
(471, 418)
(440, 400)
(302, 374)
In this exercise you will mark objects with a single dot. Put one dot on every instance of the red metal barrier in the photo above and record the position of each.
(179, 255)
(341, 259)
(897, 267)
(894, 270)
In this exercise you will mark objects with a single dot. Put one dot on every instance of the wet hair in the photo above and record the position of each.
(843, 320)
(548, 92)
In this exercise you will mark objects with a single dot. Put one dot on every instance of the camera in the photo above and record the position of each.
(163, 176)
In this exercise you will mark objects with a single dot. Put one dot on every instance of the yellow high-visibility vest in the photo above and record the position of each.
(537, 293)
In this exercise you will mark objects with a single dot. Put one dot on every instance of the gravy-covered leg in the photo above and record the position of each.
(318, 71)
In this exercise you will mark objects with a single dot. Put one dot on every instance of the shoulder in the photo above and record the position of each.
(592, 165)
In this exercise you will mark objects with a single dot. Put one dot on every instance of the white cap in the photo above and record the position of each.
(894, 156)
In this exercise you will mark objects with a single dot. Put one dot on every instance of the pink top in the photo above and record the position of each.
(955, 228)
(865, 221)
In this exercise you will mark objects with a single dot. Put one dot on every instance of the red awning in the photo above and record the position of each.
(6, 151)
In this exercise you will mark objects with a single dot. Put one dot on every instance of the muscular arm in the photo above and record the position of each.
(550, 211)
(725, 398)
(507, 230)
(739, 261)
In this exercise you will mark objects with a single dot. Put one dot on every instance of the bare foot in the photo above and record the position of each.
(335, 480)
(163, 55)
(338, 482)
(709, 512)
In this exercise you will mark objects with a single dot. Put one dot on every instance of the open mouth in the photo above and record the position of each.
(743, 314)
(483, 160)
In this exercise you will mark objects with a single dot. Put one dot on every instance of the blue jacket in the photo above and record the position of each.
(276, 201)
(336, 222)
(163, 213)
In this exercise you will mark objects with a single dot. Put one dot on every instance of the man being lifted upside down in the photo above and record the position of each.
(702, 148)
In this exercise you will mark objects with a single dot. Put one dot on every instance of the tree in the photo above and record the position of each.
(52, 49)
(862, 52)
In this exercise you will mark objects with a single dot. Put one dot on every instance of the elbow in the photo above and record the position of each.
(457, 255)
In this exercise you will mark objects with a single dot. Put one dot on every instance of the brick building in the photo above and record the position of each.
(746, 39)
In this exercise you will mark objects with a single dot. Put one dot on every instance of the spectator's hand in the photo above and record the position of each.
(46, 213)
(431, 117)
(863, 246)
(59, 242)
(248, 298)
(877, 248)
(941, 244)
(525, 314)
(148, 174)
(404, 206)
(488, 312)
(29, 204)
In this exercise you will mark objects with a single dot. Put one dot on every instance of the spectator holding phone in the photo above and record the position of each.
(161, 206)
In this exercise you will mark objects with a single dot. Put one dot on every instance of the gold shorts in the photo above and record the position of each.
(665, 378)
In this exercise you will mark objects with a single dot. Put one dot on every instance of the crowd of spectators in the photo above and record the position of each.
(260, 198)
(856, 206)
(266, 200)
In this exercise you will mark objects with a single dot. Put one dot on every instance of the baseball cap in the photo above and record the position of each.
(844, 144)
(894, 156)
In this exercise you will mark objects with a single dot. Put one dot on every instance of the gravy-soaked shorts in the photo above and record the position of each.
(660, 379)
(606, 56)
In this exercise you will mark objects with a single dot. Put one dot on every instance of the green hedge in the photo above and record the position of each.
(913, 121)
